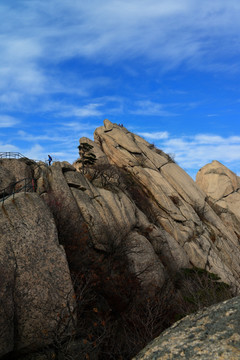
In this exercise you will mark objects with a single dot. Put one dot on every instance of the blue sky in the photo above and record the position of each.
(168, 70)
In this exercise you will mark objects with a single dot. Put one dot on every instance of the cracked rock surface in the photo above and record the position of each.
(178, 203)
(35, 281)
(222, 187)
(213, 333)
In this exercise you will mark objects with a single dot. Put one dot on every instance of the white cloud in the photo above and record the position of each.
(79, 126)
(7, 121)
(193, 152)
(147, 107)
(216, 139)
(155, 135)
(83, 111)
(36, 33)
(8, 147)
(60, 141)
(36, 152)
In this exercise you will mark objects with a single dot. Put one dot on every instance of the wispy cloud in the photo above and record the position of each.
(61, 141)
(39, 33)
(69, 62)
(5, 147)
(80, 126)
(193, 152)
(147, 107)
(83, 111)
(155, 135)
(7, 121)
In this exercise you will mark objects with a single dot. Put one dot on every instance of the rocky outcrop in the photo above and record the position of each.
(178, 204)
(222, 187)
(212, 333)
(104, 219)
(101, 158)
(19, 168)
(133, 217)
(137, 195)
(217, 181)
(36, 293)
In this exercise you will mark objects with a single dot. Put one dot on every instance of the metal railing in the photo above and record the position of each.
(17, 155)
(11, 155)
(26, 185)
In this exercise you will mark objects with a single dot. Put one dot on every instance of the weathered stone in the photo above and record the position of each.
(20, 168)
(212, 333)
(222, 187)
(144, 261)
(217, 180)
(6, 179)
(183, 184)
(66, 166)
(179, 205)
(108, 126)
(111, 219)
(110, 216)
(35, 290)
(101, 158)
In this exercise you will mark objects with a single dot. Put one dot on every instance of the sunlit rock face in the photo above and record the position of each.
(222, 187)
(178, 203)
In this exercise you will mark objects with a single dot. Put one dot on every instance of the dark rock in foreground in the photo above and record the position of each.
(212, 333)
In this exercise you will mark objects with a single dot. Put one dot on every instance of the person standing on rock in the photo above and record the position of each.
(49, 160)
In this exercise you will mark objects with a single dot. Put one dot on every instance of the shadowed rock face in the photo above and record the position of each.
(6, 179)
(35, 290)
(213, 333)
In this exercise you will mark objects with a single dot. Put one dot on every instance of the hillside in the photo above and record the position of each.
(99, 260)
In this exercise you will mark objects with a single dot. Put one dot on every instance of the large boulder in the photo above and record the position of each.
(212, 333)
(36, 292)
(217, 180)
(222, 187)
(20, 168)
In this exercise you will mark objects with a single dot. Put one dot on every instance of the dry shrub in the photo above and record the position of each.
(200, 288)
(106, 175)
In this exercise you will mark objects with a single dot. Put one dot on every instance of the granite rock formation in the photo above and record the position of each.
(222, 187)
(184, 226)
(36, 293)
(212, 333)
(137, 195)
(134, 204)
